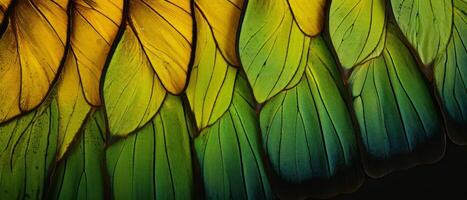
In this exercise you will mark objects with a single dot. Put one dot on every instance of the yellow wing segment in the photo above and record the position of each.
(223, 17)
(33, 45)
(95, 26)
(165, 29)
(3, 7)
(309, 15)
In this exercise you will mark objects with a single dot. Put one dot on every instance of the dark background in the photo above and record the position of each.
(446, 179)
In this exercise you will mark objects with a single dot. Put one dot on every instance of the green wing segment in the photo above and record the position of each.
(357, 29)
(229, 152)
(397, 117)
(212, 78)
(426, 24)
(450, 75)
(307, 131)
(27, 153)
(306, 126)
(81, 174)
(272, 47)
(154, 162)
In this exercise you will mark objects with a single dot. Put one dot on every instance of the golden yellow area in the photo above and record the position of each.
(3, 7)
(165, 29)
(94, 28)
(309, 15)
(223, 17)
(9, 77)
(32, 46)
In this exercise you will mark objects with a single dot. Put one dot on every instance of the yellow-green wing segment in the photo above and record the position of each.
(229, 152)
(32, 47)
(212, 77)
(307, 131)
(94, 27)
(309, 15)
(151, 59)
(132, 92)
(27, 153)
(72, 105)
(4, 4)
(272, 47)
(450, 75)
(426, 24)
(81, 175)
(155, 162)
(357, 30)
(399, 123)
